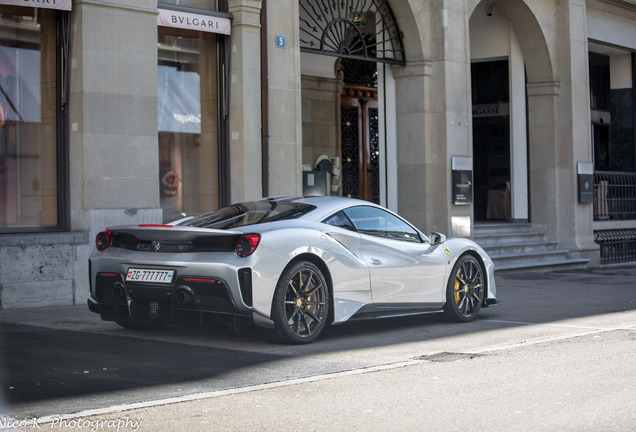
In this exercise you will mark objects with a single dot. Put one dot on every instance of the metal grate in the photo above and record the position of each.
(350, 151)
(359, 72)
(614, 195)
(362, 29)
(618, 245)
(374, 138)
(444, 357)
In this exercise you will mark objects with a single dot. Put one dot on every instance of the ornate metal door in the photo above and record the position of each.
(360, 143)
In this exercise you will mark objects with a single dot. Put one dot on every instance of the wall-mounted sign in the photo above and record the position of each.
(186, 20)
(462, 168)
(585, 171)
(491, 110)
(46, 4)
(281, 41)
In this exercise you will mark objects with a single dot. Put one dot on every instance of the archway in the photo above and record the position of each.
(341, 117)
(508, 54)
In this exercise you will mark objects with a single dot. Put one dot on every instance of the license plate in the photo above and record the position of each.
(147, 275)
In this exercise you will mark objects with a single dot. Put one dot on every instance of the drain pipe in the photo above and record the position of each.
(264, 103)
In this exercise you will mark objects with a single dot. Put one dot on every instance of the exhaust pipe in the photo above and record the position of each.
(184, 296)
(118, 291)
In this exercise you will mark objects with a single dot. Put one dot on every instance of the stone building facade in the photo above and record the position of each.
(125, 112)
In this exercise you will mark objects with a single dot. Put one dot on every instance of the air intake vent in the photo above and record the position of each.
(245, 282)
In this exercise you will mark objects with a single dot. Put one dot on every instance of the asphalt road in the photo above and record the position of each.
(559, 353)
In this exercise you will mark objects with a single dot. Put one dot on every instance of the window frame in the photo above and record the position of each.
(62, 56)
(419, 238)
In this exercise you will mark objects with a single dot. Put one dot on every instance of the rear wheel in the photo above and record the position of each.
(465, 290)
(301, 304)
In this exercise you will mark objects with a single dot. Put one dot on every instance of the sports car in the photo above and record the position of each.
(289, 265)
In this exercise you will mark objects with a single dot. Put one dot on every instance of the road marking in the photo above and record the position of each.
(549, 339)
(546, 324)
(227, 392)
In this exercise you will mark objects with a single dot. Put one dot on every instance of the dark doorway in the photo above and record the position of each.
(601, 145)
(491, 140)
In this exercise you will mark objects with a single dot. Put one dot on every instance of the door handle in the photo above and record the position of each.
(375, 261)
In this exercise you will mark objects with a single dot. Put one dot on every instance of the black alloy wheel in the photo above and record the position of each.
(465, 291)
(301, 304)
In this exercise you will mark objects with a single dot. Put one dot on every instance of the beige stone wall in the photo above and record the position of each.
(285, 106)
(321, 126)
(113, 100)
(433, 111)
(245, 101)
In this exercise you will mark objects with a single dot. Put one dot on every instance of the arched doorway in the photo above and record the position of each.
(500, 139)
(357, 35)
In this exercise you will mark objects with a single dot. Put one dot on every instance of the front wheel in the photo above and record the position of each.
(301, 303)
(465, 290)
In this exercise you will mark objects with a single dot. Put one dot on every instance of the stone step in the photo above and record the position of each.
(508, 237)
(521, 247)
(501, 227)
(529, 257)
(544, 267)
(518, 248)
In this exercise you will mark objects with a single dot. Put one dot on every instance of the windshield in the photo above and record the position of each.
(250, 213)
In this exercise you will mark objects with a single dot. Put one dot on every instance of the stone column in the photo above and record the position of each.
(113, 151)
(113, 106)
(574, 128)
(544, 191)
(559, 128)
(433, 121)
(416, 162)
(285, 101)
(245, 100)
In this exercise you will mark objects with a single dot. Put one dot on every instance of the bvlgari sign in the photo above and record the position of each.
(186, 20)
(47, 4)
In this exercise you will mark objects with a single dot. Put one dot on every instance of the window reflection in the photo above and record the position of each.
(28, 146)
(187, 122)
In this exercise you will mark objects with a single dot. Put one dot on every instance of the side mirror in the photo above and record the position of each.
(436, 239)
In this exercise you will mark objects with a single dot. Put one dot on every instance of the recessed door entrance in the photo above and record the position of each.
(491, 140)
(360, 143)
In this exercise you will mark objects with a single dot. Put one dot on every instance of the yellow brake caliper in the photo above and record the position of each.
(456, 291)
(299, 302)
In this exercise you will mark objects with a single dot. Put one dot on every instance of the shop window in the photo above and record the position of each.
(612, 111)
(187, 118)
(30, 194)
(599, 81)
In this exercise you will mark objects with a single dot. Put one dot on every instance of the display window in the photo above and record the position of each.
(187, 119)
(29, 192)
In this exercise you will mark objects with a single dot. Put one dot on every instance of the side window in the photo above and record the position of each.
(380, 223)
(340, 220)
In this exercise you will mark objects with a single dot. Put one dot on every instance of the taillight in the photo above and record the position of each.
(103, 240)
(247, 244)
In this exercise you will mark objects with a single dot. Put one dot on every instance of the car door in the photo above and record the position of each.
(404, 270)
